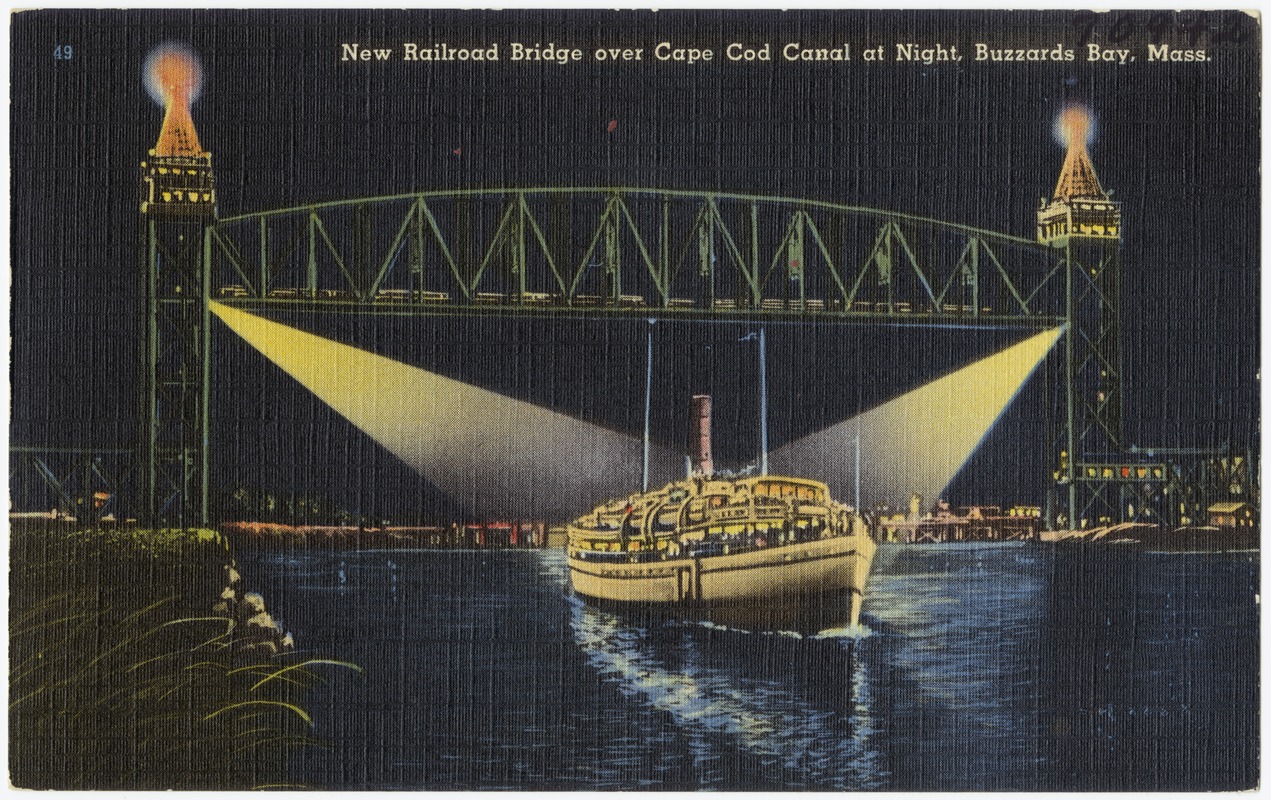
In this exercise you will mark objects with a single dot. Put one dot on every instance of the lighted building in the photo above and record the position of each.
(1231, 515)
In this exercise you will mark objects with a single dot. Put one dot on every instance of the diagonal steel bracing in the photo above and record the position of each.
(641, 251)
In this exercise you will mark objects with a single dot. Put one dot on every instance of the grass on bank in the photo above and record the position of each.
(120, 677)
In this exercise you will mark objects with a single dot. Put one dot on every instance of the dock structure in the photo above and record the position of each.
(966, 524)
(484, 536)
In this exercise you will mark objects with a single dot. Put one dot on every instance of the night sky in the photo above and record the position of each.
(288, 122)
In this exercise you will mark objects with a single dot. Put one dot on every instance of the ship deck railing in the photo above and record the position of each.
(734, 544)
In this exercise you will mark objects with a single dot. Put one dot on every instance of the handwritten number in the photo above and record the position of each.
(1232, 30)
(1085, 20)
(1122, 28)
(1194, 26)
(1160, 24)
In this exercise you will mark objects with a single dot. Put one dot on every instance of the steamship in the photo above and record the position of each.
(750, 545)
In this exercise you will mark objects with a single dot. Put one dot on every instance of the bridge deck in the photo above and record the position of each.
(775, 315)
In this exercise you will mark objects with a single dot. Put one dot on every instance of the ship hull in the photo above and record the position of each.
(823, 575)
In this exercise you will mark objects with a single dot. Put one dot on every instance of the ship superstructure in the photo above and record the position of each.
(709, 540)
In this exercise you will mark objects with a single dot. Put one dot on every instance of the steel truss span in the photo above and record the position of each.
(630, 251)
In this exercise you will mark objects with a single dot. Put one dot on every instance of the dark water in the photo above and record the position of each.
(977, 668)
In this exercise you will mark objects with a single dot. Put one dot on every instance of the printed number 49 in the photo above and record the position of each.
(63, 52)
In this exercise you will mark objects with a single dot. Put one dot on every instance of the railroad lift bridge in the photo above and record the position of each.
(615, 251)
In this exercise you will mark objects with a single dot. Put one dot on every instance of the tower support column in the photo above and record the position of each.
(176, 367)
(1082, 225)
(178, 210)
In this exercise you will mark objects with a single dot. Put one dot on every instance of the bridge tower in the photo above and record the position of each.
(178, 210)
(1083, 226)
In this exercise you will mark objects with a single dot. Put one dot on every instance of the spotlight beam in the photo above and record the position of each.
(494, 455)
(498, 456)
(917, 443)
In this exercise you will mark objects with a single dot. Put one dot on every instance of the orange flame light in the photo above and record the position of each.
(1074, 126)
(174, 78)
(1074, 129)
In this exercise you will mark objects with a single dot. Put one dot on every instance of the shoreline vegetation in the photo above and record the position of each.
(139, 661)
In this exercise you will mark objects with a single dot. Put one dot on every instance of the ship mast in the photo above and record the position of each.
(763, 408)
(648, 394)
(857, 471)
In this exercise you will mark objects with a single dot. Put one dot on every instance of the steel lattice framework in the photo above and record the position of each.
(178, 209)
(633, 251)
(81, 484)
(1082, 224)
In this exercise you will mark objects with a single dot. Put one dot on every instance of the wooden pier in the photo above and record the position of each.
(965, 524)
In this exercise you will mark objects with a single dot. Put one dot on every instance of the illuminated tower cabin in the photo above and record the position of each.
(1083, 224)
(178, 208)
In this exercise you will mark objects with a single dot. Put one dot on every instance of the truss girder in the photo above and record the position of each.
(82, 484)
(599, 250)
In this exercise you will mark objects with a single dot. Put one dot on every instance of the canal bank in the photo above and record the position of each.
(139, 660)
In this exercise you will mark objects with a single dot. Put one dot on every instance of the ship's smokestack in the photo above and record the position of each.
(700, 435)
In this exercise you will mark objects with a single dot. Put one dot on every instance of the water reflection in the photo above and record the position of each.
(988, 667)
(800, 705)
(962, 632)
(1153, 682)
(943, 693)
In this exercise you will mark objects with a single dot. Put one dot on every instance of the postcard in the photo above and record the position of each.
(742, 400)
